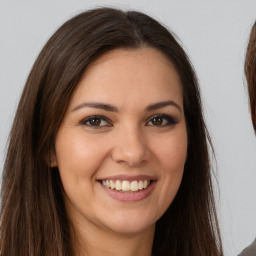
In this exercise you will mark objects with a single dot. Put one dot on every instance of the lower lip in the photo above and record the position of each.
(130, 196)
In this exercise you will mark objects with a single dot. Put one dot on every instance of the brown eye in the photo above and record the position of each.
(157, 121)
(96, 121)
(161, 120)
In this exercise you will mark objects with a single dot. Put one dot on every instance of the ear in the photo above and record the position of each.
(52, 160)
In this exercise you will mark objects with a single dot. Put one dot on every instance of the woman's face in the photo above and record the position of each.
(122, 145)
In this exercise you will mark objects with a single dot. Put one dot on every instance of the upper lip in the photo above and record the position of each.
(128, 177)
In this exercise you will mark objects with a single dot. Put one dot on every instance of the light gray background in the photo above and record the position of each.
(214, 34)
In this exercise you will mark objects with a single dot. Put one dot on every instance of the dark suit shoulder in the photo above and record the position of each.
(250, 250)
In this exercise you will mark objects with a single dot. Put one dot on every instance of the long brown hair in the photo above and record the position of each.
(34, 221)
(250, 72)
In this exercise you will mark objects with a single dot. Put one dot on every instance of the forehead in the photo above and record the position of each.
(148, 57)
(128, 75)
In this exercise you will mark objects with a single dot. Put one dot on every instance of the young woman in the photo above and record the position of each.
(108, 153)
(250, 73)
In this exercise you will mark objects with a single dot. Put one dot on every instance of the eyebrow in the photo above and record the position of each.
(103, 106)
(162, 105)
(111, 108)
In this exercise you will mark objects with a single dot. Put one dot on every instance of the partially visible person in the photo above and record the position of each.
(250, 250)
(250, 73)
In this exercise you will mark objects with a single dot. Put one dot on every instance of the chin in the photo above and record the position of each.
(130, 224)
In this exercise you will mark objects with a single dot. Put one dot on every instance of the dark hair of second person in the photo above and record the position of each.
(250, 73)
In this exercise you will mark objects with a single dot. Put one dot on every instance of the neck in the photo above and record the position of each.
(91, 240)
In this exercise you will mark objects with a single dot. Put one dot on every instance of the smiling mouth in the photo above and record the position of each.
(126, 185)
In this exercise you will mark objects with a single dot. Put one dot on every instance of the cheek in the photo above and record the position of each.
(173, 166)
(173, 152)
(172, 158)
(78, 158)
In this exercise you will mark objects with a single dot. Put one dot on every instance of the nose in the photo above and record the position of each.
(130, 148)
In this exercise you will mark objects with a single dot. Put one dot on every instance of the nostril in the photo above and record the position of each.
(130, 156)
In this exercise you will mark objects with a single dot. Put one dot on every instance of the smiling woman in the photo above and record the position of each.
(108, 151)
(132, 141)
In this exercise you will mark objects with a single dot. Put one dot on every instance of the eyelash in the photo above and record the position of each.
(92, 118)
(169, 120)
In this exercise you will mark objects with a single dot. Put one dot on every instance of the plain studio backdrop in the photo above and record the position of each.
(214, 34)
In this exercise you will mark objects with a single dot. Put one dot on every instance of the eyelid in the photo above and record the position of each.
(104, 118)
(170, 119)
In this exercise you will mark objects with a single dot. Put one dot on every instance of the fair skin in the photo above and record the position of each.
(121, 150)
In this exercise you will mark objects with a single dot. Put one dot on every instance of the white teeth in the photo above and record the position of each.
(125, 185)
(118, 185)
(112, 184)
(140, 184)
(134, 185)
